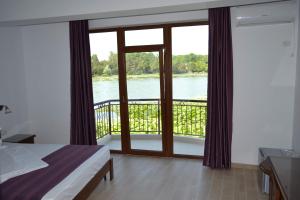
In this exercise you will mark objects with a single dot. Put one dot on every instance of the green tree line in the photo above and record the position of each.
(147, 63)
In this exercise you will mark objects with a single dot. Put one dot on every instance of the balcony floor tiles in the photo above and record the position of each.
(180, 147)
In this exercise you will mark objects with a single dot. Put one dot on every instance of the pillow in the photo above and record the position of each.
(16, 161)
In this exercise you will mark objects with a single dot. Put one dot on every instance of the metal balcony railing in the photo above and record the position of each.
(189, 117)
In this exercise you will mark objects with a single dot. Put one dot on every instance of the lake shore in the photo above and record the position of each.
(144, 76)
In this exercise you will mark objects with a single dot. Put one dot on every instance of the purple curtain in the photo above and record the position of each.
(83, 130)
(217, 151)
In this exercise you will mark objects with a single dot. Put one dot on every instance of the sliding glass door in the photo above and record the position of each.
(189, 76)
(156, 100)
(142, 90)
(105, 76)
(145, 94)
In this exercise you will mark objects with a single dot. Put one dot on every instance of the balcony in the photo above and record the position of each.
(189, 124)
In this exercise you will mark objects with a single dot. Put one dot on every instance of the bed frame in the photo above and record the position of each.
(92, 184)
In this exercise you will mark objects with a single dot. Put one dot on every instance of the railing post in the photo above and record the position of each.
(109, 118)
(158, 113)
(97, 122)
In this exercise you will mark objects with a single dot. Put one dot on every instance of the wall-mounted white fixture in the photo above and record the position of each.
(263, 14)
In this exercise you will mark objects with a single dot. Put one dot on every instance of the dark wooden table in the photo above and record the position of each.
(284, 175)
(21, 138)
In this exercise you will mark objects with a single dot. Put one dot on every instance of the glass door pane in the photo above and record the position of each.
(189, 60)
(144, 105)
(144, 37)
(105, 78)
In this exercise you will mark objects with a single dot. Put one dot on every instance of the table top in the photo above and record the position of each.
(18, 137)
(287, 173)
(265, 152)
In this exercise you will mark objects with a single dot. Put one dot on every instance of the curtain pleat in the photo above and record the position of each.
(217, 151)
(83, 130)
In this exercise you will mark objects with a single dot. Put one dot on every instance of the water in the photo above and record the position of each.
(146, 88)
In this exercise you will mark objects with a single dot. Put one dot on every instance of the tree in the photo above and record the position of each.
(113, 63)
(107, 71)
(97, 66)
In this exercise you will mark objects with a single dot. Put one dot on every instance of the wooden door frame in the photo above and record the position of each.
(139, 49)
(125, 137)
(168, 143)
(155, 26)
(169, 92)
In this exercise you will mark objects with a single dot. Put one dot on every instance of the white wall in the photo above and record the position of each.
(12, 81)
(47, 71)
(149, 19)
(296, 136)
(264, 87)
(43, 11)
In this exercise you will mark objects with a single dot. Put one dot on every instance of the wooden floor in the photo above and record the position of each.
(148, 178)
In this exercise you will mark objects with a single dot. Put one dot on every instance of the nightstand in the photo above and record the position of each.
(20, 138)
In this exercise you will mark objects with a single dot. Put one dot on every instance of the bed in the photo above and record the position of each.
(82, 180)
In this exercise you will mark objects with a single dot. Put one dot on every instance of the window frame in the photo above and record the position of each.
(167, 46)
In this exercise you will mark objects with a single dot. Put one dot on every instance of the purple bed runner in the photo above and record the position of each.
(34, 185)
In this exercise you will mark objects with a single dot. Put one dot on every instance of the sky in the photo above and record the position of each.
(185, 40)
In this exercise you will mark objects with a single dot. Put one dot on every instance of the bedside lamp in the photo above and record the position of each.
(6, 111)
(5, 108)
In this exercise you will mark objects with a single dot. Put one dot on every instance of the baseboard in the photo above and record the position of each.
(244, 166)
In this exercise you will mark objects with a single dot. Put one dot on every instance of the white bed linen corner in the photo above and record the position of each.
(17, 160)
(70, 186)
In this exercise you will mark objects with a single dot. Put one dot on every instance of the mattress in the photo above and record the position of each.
(74, 182)
(15, 161)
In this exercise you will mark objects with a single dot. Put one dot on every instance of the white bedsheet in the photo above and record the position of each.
(17, 160)
(72, 184)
